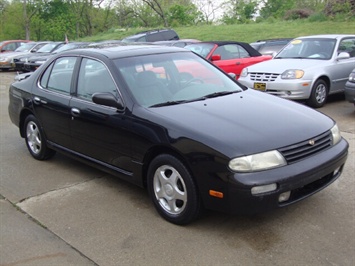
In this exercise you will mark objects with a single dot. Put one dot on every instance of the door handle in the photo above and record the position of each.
(38, 100)
(238, 63)
(75, 112)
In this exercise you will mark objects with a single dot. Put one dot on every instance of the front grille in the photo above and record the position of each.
(263, 77)
(302, 150)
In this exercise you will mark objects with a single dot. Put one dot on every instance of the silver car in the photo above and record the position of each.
(308, 68)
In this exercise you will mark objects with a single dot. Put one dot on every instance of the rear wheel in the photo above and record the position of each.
(319, 94)
(35, 140)
(173, 190)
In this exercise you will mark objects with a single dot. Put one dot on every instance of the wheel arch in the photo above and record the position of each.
(325, 78)
(158, 150)
(24, 114)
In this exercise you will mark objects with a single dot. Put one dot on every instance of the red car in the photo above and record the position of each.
(230, 56)
(11, 45)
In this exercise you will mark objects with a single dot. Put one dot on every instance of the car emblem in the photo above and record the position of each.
(311, 142)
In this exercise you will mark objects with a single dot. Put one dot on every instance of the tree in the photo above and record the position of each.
(183, 15)
(30, 8)
(210, 9)
(240, 10)
(276, 8)
(158, 8)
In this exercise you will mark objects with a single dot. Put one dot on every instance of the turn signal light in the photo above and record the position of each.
(216, 194)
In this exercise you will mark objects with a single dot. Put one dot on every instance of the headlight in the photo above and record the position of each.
(257, 162)
(352, 77)
(335, 134)
(244, 72)
(292, 74)
(39, 62)
(3, 59)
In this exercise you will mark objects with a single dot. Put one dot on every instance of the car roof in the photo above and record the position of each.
(125, 50)
(245, 45)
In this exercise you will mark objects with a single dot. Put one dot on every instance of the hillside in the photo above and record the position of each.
(244, 32)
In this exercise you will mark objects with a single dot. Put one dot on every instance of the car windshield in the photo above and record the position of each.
(47, 48)
(309, 48)
(68, 46)
(25, 47)
(173, 78)
(202, 49)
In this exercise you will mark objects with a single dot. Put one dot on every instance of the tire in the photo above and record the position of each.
(319, 94)
(173, 190)
(35, 140)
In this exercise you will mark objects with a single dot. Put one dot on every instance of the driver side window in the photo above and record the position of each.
(94, 77)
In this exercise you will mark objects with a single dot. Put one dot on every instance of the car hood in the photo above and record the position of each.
(280, 65)
(13, 54)
(243, 123)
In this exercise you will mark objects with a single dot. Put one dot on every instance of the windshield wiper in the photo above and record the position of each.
(217, 94)
(168, 103)
(208, 96)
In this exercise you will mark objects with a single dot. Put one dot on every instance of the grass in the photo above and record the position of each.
(244, 32)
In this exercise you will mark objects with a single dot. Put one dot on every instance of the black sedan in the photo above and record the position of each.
(168, 120)
(350, 88)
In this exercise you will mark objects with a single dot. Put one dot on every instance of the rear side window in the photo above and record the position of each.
(58, 75)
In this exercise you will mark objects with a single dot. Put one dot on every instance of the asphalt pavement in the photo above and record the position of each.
(62, 212)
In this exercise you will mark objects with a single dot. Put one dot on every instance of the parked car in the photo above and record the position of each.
(178, 43)
(47, 49)
(7, 59)
(11, 45)
(270, 46)
(230, 56)
(35, 62)
(350, 88)
(308, 68)
(166, 119)
(153, 36)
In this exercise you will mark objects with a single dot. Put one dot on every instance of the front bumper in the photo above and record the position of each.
(302, 179)
(350, 91)
(30, 67)
(5, 65)
(19, 65)
(294, 89)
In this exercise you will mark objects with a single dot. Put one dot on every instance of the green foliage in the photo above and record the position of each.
(297, 14)
(182, 15)
(317, 17)
(239, 11)
(82, 19)
(276, 8)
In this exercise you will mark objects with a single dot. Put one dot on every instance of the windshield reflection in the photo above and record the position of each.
(173, 78)
(314, 48)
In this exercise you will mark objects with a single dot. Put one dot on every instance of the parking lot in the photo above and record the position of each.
(62, 212)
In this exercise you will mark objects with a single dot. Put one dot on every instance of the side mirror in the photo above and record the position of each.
(107, 99)
(216, 57)
(343, 55)
(232, 75)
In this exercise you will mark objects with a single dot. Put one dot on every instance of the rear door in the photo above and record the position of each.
(51, 100)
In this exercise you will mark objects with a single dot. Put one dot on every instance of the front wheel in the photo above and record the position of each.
(35, 140)
(319, 94)
(173, 190)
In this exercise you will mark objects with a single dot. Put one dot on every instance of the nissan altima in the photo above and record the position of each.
(168, 120)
